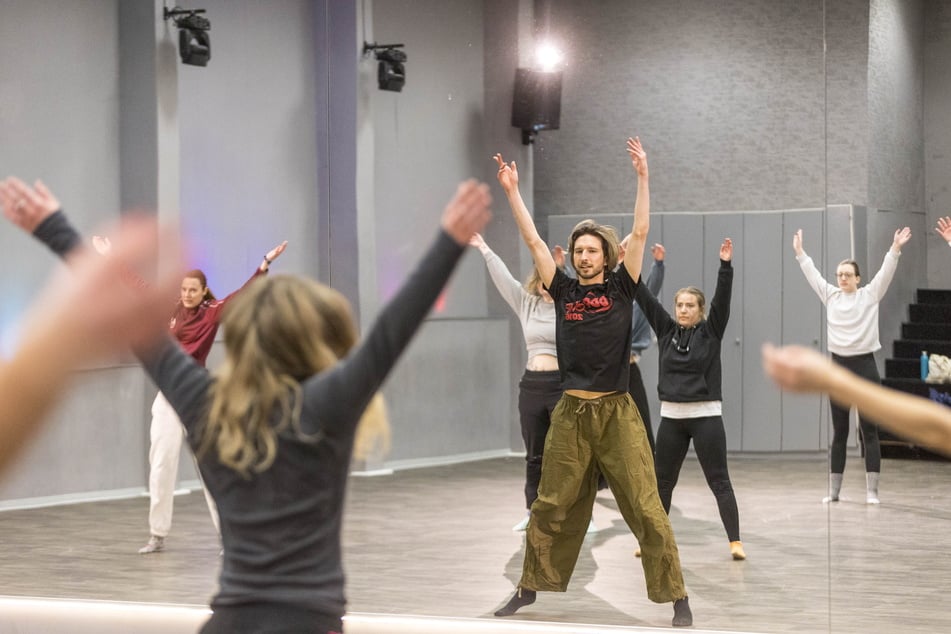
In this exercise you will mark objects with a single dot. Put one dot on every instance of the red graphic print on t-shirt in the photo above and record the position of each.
(591, 303)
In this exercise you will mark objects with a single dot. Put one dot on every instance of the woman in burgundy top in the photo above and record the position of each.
(194, 324)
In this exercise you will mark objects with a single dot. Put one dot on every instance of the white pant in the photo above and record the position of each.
(167, 434)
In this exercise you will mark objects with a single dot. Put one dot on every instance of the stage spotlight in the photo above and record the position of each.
(548, 57)
(391, 73)
(194, 44)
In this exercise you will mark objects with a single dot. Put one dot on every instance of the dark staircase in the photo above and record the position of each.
(928, 329)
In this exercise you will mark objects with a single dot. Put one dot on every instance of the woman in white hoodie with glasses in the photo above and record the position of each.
(852, 334)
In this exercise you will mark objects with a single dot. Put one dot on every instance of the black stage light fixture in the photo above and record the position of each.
(194, 45)
(391, 72)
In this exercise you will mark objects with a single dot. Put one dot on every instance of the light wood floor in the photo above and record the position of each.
(438, 542)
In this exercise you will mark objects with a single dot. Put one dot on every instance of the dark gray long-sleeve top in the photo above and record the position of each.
(281, 528)
(640, 327)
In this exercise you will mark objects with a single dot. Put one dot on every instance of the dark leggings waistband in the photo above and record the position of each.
(546, 376)
(855, 358)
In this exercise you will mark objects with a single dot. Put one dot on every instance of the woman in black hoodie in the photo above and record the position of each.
(689, 386)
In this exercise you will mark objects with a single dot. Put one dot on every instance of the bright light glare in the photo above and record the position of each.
(547, 56)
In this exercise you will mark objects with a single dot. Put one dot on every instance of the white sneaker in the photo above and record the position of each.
(154, 545)
(830, 498)
(591, 527)
(871, 498)
(521, 526)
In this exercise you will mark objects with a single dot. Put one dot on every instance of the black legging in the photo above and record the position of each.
(538, 393)
(709, 441)
(635, 387)
(864, 366)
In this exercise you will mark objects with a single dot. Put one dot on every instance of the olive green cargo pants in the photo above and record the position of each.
(587, 437)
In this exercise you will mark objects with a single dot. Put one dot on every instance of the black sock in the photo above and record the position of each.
(683, 617)
(520, 599)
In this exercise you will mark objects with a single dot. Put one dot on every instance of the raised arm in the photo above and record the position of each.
(720, 306)
(883, 278)
(655, 277)
(801, 369)
(797, 243)
(657, 316)
(902, 236)
(509, 288)
(544, 262)
(26, 206)
(813, 276)
(634, 253)
(272, 255)
(37, 211)
(64, 330)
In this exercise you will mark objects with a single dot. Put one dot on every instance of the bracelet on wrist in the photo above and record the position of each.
(266, 261)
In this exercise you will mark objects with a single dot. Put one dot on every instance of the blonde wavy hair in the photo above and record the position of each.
(278, 332)
(531, 283)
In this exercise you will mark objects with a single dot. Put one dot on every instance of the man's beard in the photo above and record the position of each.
(595, 272)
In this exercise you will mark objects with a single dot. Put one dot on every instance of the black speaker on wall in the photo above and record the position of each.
(536, 102)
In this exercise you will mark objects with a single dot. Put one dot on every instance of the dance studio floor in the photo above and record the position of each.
(438, 542)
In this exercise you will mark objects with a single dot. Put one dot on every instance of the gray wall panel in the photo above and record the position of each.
(428, 137)
(96, 441)
(59, 121)
(760, 305)
(805, 417)
(451, 392)
(248, 123)
(684, 239)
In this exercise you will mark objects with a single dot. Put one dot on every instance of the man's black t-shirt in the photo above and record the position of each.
(593, 331)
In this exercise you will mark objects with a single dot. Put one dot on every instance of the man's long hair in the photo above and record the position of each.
(609, 242)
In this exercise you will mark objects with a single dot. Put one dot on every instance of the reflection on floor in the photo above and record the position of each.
(438, 542)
